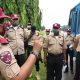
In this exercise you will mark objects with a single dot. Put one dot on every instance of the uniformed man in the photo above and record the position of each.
(28, 31)
(17, 35)
(31, 37)
(69, 42)
(9, 69)
(77, 48)
(29, 26)
(39, 59)
(53, 53)
(47, 31)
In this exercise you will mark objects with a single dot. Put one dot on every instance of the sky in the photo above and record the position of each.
(56, 11)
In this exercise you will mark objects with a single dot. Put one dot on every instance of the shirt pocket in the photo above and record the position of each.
(52, 42)
(21, 34)
(61, 43)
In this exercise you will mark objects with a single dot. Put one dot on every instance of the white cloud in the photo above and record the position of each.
(56, 11)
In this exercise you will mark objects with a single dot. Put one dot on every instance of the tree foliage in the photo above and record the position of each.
(28, 10)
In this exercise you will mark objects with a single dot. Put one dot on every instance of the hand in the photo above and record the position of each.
(37, 45)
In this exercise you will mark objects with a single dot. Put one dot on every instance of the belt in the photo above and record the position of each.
(55, 54)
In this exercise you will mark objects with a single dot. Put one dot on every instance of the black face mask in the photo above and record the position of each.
(68, 33)
(56, 32)
(15, 25)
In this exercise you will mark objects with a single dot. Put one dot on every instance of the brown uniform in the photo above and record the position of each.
(54, 45)
(77, 48)
(16, 37)
(8, 64)
(69, 42)
(31, 40)
(76, 43)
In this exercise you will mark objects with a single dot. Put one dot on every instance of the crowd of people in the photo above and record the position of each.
(15, 41)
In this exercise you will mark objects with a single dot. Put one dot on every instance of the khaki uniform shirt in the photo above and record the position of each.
(54, 45)
(8, 65)
(31, 40)
(77, 44)
(45, 36)
(16, 39)
(69, 40)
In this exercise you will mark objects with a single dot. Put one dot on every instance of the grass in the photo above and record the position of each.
(42, 72)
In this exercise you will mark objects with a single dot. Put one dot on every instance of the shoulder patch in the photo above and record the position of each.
(6, 57)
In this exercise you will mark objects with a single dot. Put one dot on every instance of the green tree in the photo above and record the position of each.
(28, 11)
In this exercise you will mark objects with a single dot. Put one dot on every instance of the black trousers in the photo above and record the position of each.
(77, 70)
(29, 49)
(71, 54)
(20, 59)
(54, 66)
(37, 65)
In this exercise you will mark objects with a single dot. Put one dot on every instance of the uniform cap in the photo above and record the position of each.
(56, 26)
(47, 30)
(2, 15)
(68, 30)
(14, 16)
(4, 41)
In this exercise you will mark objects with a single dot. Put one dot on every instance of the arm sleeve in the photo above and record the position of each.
(8, 64)
(76, 41)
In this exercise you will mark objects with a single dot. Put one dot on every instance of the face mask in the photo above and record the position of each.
(68, 33)
(47, 33)
(15, 23)
(56, 32)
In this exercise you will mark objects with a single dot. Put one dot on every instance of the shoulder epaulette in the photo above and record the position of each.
(20, 26)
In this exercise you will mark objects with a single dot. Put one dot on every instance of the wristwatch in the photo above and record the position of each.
(35, 53)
